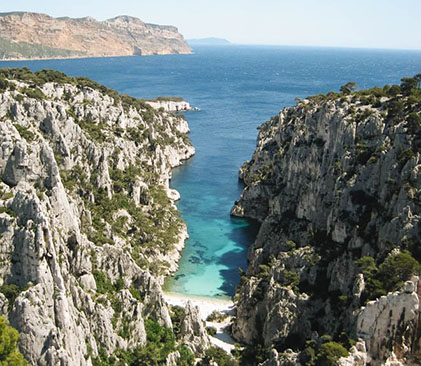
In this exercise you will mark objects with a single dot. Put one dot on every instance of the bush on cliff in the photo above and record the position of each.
(218, 355)
(9, 354)
(396, 269)
(389, 276)
(329, 353)
(160, 343)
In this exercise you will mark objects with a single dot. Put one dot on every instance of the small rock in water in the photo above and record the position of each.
(194, 259)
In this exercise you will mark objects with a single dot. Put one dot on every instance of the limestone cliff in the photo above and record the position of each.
(170, 104)
(33, 35)
(87, 226)
(336, 183)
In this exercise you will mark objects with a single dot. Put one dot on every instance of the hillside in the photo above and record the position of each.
(88, 224)
(336, 183)
(32, 35)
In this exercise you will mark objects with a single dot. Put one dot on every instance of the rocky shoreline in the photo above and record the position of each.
(335, 182)
(88, 228)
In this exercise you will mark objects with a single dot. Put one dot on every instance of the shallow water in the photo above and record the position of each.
(237, 88)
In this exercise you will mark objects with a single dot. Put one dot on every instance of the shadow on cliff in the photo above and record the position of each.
(244, 233)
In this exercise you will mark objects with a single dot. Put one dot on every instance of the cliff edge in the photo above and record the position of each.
(336, 183)
(88, 228)
(31, 35)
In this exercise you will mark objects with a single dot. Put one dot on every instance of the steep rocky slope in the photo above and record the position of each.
(336, 183)
(33, 35)
(88, 225)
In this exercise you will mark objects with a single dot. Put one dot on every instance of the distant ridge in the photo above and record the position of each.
(25, 35)
(210, 41)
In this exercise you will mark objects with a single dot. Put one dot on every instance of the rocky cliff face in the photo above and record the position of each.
(87, 226)
(336, 183)
(32, 35)
(170, 105)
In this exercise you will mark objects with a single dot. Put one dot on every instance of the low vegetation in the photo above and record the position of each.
(9, 49)
(326, 353)
(169, 98)
(160, 343)
(9, 353)
(389, 275)
(217, 317)
(11, 292)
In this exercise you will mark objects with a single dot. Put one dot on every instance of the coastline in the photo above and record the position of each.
(76, 57)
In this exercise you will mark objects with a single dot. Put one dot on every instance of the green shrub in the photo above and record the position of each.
(186, 356)
(49, 76)
(24, 132)
(103, 284)
(160, 342)
(94, 131)
(160, 339)
(394, 90)
(8, 211)
(330, 353)
(395, 110)
(9, 353)
(389, 276)
(291, 279)
(170, 98)
(216, 316)
(11, 292)
(367, 266)
(290, 245)
(136, 294)
(253, 355)
(211, 331)
(408, 84)
(177, 315)
(396, 269)
(34, 93)
(4, 84)
(218, 355)
(414, 123)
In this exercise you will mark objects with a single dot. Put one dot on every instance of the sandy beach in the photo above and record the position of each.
(206, 306)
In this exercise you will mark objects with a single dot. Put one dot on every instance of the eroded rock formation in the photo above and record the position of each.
(335, 182)
(87, 228)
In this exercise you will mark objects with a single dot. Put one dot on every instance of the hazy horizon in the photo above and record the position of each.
(375, 24)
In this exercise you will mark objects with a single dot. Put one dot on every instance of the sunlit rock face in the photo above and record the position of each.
(33, 35)
(87, 228)
(332, 180)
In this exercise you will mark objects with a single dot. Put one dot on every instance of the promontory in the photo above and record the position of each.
(31, 35)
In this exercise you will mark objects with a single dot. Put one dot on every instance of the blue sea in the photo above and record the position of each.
(236, 88)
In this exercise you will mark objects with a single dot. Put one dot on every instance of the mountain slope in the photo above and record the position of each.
(33, 35)
(336, 183)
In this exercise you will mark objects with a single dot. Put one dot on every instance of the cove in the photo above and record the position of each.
(236, 88)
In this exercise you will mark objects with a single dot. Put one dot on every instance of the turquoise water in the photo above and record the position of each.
(237, 88)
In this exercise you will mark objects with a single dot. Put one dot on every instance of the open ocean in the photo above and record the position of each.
(236, 88)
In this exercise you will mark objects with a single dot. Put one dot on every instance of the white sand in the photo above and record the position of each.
(206, 306)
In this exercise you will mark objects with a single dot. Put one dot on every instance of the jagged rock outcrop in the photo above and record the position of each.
(396, 317)
(193, 331)
(33, 35)
(170, 105)
(87, 228)
(357, 356)
(335, 182)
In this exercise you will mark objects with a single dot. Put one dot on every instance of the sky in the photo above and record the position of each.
(334, 23)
